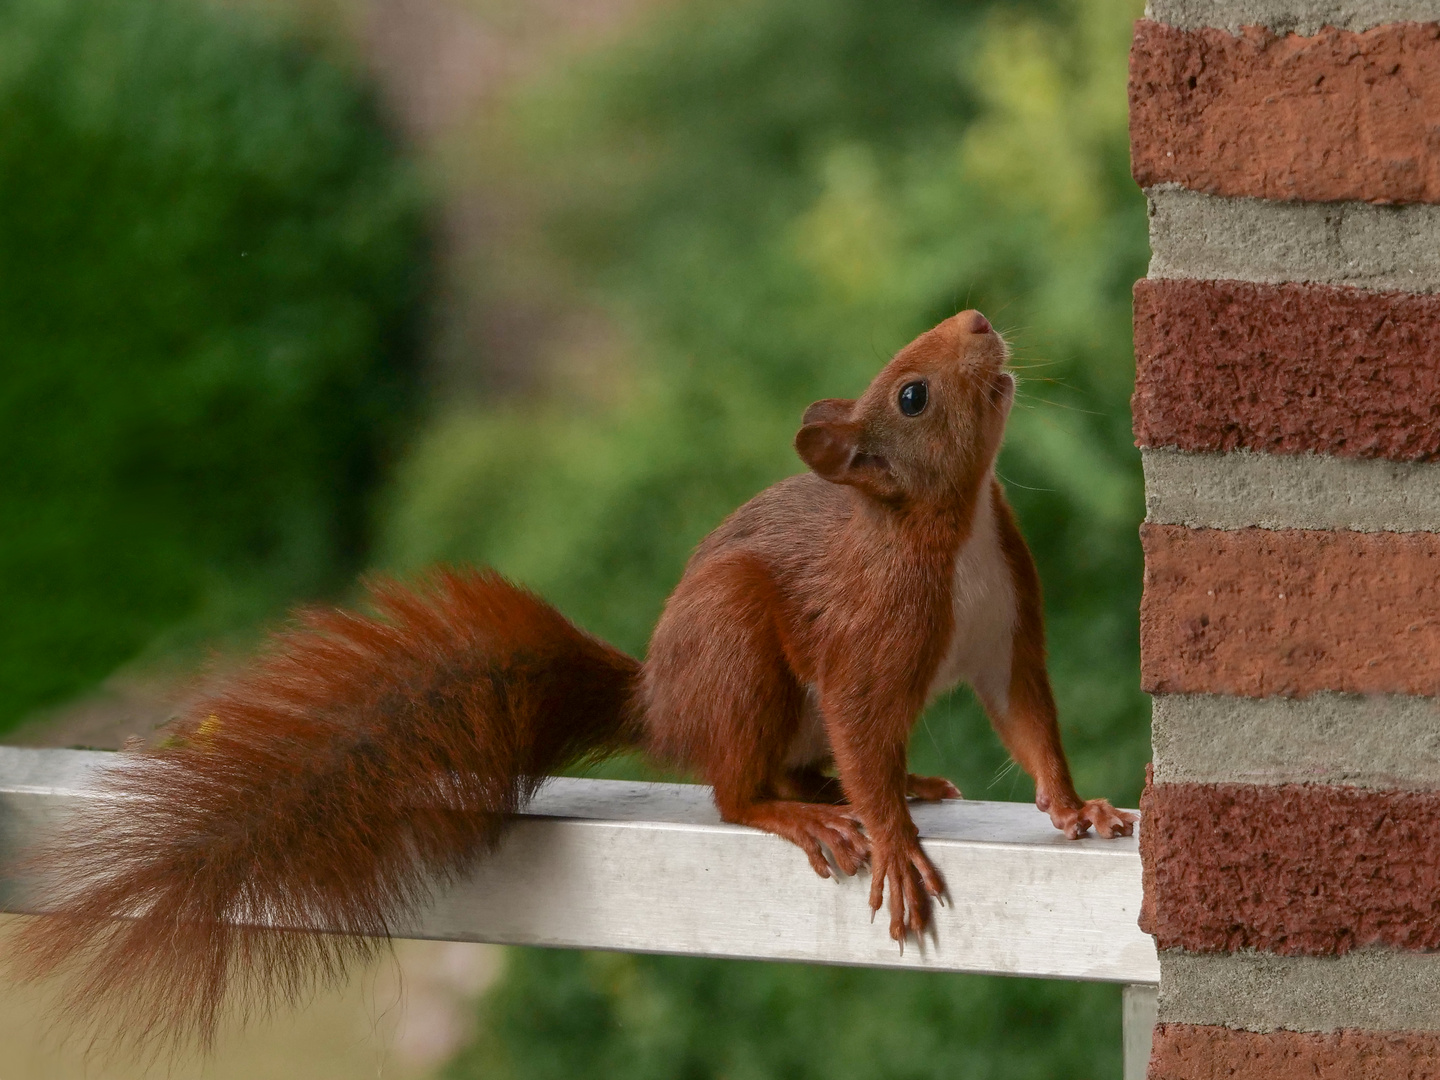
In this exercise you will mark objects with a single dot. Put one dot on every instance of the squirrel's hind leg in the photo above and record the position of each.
(813, 827)
(721, 699)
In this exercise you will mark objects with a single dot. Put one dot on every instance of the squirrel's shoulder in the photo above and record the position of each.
(790, 516)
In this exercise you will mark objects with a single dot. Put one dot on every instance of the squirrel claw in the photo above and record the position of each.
(819, 829)
(912, 880)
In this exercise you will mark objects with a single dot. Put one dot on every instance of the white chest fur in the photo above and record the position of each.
(982, 595)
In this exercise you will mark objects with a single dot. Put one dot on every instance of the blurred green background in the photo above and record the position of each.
(269, 315)
(211, 263)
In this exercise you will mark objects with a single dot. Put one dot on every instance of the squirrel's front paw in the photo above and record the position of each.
(912, 880)
(1076, 821)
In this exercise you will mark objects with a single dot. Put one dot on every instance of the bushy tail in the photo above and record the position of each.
(356, 762)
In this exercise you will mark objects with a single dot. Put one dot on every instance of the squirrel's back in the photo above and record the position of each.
(789, 523)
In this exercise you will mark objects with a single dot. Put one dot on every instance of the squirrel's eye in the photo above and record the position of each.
(913, 397)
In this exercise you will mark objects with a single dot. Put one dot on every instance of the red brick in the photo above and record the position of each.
(1203, 1052)
(1231, 365)
(1262, 612)
(1294, 869)
(1340, 115)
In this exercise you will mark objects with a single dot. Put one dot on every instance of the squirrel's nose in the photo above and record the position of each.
(974, 322)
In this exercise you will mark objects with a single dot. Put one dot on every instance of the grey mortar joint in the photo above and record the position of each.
(1242, 489)
(1290, 16)
(1207, 237)
(1382, 741)
(1368, 988)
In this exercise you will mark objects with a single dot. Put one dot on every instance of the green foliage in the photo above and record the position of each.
(771, 196)
(561, 1015)
(208, 280)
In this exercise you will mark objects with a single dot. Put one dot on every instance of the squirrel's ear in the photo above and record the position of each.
(830, 408)
(831, 449)
(826, 445)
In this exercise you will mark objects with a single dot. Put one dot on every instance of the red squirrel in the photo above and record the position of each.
(361, 758)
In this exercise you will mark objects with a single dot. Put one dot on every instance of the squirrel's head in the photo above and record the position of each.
(929, 425)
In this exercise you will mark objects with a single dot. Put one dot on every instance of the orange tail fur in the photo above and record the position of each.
(357, 761)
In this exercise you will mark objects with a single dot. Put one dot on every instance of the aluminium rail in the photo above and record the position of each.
(607, 864)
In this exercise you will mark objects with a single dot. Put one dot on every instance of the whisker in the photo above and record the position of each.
(1071, 408)
(1009, 767)
(1023, 487)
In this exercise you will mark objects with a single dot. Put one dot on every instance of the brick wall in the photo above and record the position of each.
(1287, 404)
